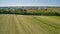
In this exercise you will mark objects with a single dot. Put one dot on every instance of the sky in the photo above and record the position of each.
(29, 2)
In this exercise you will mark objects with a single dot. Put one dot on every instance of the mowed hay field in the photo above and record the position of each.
(27, 24)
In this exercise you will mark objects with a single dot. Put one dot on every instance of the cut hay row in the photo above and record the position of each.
(21, 24)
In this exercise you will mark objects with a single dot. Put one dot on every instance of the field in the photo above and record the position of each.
(24, 24)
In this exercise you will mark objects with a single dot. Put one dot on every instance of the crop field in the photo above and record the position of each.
(28, 24)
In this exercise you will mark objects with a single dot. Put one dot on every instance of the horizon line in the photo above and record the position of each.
(28, 6)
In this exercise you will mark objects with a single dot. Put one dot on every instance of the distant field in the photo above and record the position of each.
(24, 24)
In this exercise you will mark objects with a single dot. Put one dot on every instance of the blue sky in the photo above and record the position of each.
(29, 2)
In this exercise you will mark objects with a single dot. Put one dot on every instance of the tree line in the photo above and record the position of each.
(23, 11)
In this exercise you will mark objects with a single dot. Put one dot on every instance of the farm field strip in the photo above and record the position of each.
(52, 28)
(21, 24)
(4, 27)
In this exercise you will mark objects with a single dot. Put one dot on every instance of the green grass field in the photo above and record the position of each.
(24, 24)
